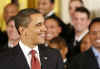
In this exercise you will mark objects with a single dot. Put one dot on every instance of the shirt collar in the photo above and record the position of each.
(82, 35)
(96, 52)
(10, 45)
(50, 13)
(26, 50)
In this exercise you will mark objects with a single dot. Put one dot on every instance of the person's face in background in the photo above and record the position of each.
(45, 6)
(53, 29)
(12, 31)
(80, 21)
(86, 44)
(95, 35)
(63, 49)
(73, 5)
(9, 11)
(34, 33)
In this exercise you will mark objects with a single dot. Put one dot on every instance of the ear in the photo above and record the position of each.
(52, 6)
(89, 21)
(20, 29)
(60, 29)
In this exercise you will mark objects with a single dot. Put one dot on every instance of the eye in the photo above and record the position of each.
(93, 33)
(39, 24)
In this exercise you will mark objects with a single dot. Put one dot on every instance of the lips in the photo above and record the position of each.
(98, 41)
(42, 35)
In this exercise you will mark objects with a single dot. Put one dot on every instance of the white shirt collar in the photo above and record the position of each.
(26, 50)
(10, 45)
(96, 52)
(49, 14)
(82, 35)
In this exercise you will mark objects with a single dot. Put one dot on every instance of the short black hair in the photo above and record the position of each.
(52, 1)
(83, 10)
(97, 19)
(23, 17)
(58, 20)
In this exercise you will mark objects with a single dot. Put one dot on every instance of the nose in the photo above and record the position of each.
(44, 28)
(98, 34)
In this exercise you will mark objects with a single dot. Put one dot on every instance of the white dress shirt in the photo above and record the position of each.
(26, 50)
(49, 14)
(81, 36)
(97, 55)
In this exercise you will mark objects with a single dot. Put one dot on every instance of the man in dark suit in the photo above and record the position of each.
(30, 25)
(80, 21)
(46, 7)
(91, 58)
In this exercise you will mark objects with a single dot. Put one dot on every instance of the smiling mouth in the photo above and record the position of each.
(98, 41)
(42, 35)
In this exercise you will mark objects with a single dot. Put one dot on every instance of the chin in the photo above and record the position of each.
(41, 41)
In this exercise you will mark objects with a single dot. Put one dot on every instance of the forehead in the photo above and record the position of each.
(81, 14)
(75, 3)
(9, 7)
(37, 17)
(11, 22)
(95, 27)
(51, 22)
(44, 1)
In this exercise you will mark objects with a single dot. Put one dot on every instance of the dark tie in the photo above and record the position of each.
(35, 64)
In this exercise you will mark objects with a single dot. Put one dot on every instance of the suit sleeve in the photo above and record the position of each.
(74, 64)
(60, 64)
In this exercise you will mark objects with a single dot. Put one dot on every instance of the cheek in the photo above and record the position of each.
(92, 38)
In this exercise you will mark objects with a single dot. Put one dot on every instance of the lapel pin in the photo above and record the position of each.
(45, 58)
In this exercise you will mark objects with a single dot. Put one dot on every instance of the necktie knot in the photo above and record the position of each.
(33, 52)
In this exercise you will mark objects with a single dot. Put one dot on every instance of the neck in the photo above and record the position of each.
(79, 33)
(28, 43)
(13, 42)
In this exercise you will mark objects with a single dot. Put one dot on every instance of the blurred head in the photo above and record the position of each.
(94, 32)
(81, 19)
(86, 44)
(60, 44)
(9, 11)
(54, 28)
(73, 5)
(45, 6)
(11, 30)
(30, 24)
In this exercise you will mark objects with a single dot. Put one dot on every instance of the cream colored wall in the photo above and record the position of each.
(64, 11)
(92, 5)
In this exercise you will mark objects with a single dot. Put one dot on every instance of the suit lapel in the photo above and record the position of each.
(19, 58)
(43, 57)
(93, 60)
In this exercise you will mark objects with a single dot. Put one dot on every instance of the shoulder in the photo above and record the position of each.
(82, 57)
(48, 50)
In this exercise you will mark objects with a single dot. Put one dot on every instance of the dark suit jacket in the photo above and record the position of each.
(13, 58)
(85, 60)
(3, 38)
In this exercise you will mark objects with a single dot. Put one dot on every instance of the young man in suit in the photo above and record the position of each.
(91, 58)
(80, 21)
(46, 7)
(30, 25)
